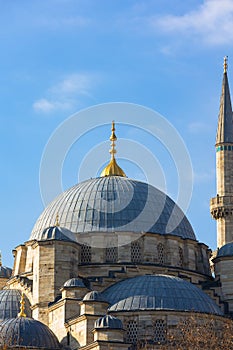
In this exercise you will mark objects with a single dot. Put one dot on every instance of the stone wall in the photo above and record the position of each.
(224, 273)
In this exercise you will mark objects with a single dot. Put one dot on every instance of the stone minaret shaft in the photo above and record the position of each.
(221, 207)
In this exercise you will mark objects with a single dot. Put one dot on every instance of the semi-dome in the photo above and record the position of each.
(108, 321)
(226, 250)
(10, 303)
(158, 292)
(27, 332)
(56, 233)
(94, 296)
(74, 282)
(114, 204)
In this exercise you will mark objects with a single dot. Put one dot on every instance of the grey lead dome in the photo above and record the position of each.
(57, 233)
(26, 332)
(94, 296)
(114, 204)
(10, 303)
(158, 292)
(75, 282)
(108, 321)
(226, 250)
(5, 272)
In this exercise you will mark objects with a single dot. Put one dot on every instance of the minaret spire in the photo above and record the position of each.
(225, 64)
(113, 169)
(221, 207)
(225, 118)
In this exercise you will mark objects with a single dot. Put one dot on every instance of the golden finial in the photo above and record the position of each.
(22, 307)
(113, 139)
(225, 64)
(113, 136)
(0, 258)
(113, 169)
(57, 220)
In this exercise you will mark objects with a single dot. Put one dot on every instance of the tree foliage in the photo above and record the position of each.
(195, 334)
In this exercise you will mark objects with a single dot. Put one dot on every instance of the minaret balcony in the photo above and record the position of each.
(221, 206)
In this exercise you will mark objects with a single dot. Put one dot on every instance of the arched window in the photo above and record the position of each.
(136, 255)
(181, 257)
(85, 253)
(161, 253)
(196, 261)
(68, 338)
(111, 254)
(132, 332)
(160, 331)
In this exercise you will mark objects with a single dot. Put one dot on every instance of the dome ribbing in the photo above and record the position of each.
(10, 303)
(27, 332)
(114, 204)
(158, 292)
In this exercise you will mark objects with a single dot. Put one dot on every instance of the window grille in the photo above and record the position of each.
(132, 332)
(85, 253)
(135, 252)
(111, 254)
(160, 331)
(181, 257)
(160, 251)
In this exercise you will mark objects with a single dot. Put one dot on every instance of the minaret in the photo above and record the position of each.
(221, 207)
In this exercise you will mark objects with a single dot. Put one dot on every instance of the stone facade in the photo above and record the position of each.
(51, 263)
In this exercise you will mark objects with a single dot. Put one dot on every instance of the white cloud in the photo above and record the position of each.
(45, 106)
(72, 84)
(211, 22)
(65, 94)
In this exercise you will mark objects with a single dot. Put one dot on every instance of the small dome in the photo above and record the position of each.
(27, 332)
(57, 233)
(226, 250)
(94, 296)
(158, 292)
(108, 321)
(75, 282)
(10, 303)
(5, 272)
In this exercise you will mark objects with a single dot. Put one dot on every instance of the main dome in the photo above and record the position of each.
(114, 204)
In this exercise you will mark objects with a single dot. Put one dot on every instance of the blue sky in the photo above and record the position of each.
(61, 56)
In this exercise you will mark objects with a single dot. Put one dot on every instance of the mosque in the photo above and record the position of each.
(99, 270)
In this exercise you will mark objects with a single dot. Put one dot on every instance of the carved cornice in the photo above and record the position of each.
(221, 212)
(221, 207)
